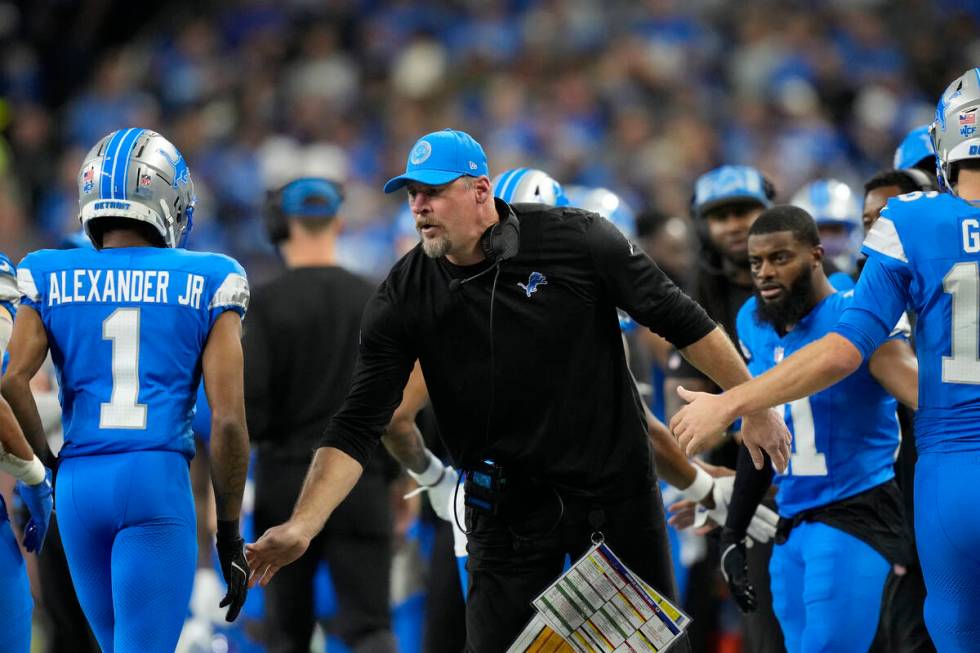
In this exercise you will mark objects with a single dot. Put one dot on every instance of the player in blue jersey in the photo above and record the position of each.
(924, 253)
(131, 326)
(839, 505)
(34, 484)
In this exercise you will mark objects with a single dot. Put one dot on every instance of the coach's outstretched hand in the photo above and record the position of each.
(39, 500)
(278, 546)
(234, 567)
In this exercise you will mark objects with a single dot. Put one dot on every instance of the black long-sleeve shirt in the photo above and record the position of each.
(552, 396)
(300, 344)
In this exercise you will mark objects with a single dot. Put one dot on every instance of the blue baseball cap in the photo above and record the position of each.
(311, 197)
(441, 157)
(729, 184)
(916, 146)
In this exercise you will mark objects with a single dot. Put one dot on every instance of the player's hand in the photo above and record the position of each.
(277, 547)
(39, 500)
(767, 431)
(441, 494)
(736, 571)
(234, 567)
(439, 482)
(683, 514)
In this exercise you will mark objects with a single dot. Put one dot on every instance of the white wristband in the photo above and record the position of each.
(433, 472)
(701, 487)
(30, 472)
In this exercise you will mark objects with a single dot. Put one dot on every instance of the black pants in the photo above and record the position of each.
(513, 557)
(445, 613)
(356, 544)
(69, 631)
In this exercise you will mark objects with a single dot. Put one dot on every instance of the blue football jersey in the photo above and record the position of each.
(845, 438)
(9, 295)
(924, 252)
(127, 328)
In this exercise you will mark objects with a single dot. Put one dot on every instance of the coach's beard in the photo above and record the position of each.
(436, 247)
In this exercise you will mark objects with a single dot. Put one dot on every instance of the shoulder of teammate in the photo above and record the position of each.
(227, 284)
(8, 280)
(31, 282)
(904, 221)
(842, 282)
(745, 326)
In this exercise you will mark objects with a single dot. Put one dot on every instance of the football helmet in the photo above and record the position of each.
(954, 131)
(607, 204)
(832, 203)
(528, 185)
(139, 175)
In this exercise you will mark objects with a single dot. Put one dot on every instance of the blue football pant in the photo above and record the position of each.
(127, 522)
(16, 604)
(826, 590)
(947, 533)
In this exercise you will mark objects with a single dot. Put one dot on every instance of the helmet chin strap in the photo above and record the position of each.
(171, 223)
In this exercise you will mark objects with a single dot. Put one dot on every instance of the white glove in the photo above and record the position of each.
(459, 537)
(762, 528)
(439, 482)
(206, 596)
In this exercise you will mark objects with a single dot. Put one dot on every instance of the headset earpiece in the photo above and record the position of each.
(275, 220)
(502, 240)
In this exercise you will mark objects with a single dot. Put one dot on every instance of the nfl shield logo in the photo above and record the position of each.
(777, 354)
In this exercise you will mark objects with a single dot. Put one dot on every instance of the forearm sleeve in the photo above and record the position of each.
(751, 485)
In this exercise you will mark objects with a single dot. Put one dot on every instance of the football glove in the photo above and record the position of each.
(39, 500)
(762, 528)
(736, 571)
(439, 482)
(234, 567)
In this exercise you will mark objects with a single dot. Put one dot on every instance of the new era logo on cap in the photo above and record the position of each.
(441, 157)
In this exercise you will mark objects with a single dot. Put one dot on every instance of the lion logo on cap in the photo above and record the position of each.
(421, 152)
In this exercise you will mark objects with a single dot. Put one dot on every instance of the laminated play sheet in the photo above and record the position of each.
(600, 606)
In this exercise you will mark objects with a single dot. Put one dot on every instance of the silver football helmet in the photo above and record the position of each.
(528, 185)
(835, 209)
(137, 174)
(954, 131)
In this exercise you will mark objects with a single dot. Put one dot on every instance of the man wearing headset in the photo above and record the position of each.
(511, 312)
(300, 346)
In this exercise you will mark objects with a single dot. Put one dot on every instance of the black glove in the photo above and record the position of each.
(736, 571)
(231, 553)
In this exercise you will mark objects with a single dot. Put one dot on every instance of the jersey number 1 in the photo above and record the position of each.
(805, 460)
(123, 411)
(963, 283)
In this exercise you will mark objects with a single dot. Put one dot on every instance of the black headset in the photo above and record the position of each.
(274, 212)
(502, 240)
(499, 242)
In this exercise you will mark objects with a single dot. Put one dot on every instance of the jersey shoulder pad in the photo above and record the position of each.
(745, 326)
(8, 280)
(31, 269)
(229, 281)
